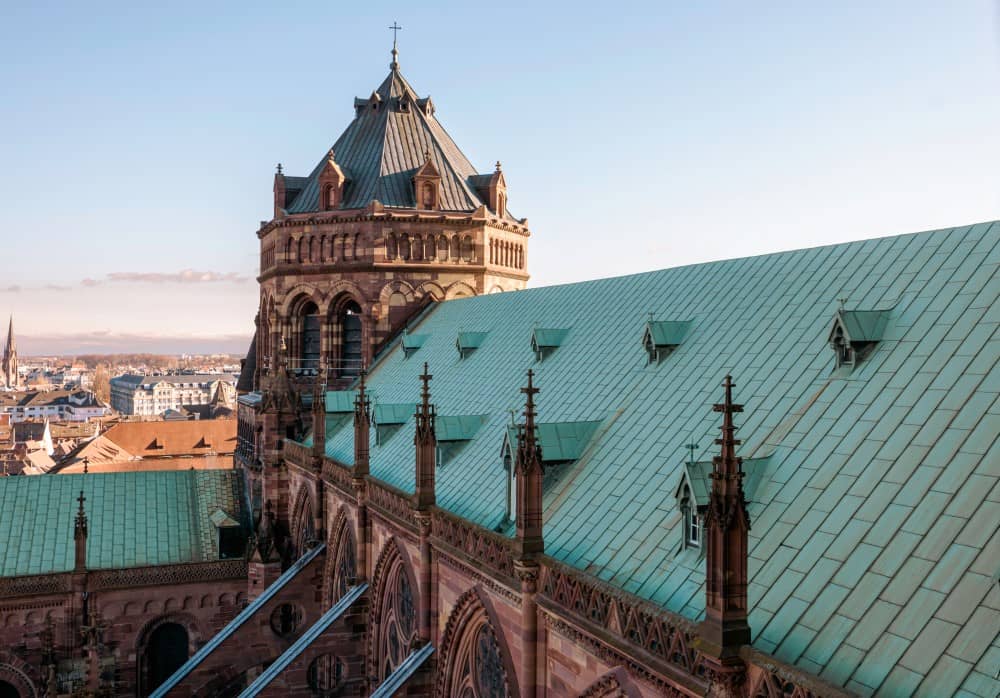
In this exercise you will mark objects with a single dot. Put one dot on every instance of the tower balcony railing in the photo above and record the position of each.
(305, 372)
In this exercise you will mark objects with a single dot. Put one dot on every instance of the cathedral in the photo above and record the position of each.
(759, 477)
(8, 364)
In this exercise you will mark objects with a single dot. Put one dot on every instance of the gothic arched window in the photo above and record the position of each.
(396, 621)
(472, 659)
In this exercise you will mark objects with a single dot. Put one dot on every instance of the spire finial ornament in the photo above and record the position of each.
(498, 166)
(528, 474)
(425, 441)
(279, 168)
(727, 523)
(395, 53)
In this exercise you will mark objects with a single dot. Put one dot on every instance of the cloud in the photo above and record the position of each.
(105, 341)
(13, 288)
(185, 276)
(56, 287)
(90, 282)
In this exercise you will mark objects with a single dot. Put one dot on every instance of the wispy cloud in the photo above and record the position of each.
(13, 288)
(108, 342)
(57, 287)
(185, 276)
(90, 282)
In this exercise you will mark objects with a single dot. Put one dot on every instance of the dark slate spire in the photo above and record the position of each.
(528, 468)
(425, 441)
(9, 363)
(727, 523)
(319, 414)
(382, 148)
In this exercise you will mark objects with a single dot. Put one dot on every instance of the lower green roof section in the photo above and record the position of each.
(135, 519)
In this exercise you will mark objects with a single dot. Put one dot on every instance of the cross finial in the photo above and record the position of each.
(691, 447)
(425, 394)
(86, 464)
(841, 302)
(280, 170)
(498, 166)
(395, 53)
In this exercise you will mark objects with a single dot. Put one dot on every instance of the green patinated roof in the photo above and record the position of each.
(135, 519)
(388, 413)
(667, 333)
(547, 338)
(460, 428)
(560, 441)
(340, 401)
(873, 547)
(864, 325)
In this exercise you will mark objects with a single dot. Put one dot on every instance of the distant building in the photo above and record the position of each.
(154, 395)
(162, 445)
(8, 366)
(61, 405)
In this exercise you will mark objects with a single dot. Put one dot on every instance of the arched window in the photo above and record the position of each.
(288, 250)
(164, 654)
(356, 252)
(331, 197)
(404, 247)
(429, 248)
(351, 345)
(692, 521)
(390, 246)
(501, 204)
(303, 527)
(396, 621)
(417, 248)
(428, 196)
(442, 248)
(309, 343)
(472, 659)
(456, 251)
(468, 252)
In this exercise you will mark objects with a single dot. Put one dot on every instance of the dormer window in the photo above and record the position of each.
(662, 337)
(428, 197)
(546, 341)
(468, 342)
(692, 520)
(331, 182)
(427, 185)
(404, 104)
(855, 333)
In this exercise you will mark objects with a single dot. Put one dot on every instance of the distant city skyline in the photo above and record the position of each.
(140, 142)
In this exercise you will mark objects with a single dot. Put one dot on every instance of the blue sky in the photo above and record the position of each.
(139, 143)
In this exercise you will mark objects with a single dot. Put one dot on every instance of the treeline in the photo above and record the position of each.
(154, 361)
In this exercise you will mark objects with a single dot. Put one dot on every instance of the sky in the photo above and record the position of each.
(138, 143)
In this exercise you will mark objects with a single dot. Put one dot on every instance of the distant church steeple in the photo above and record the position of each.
(8, 367)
